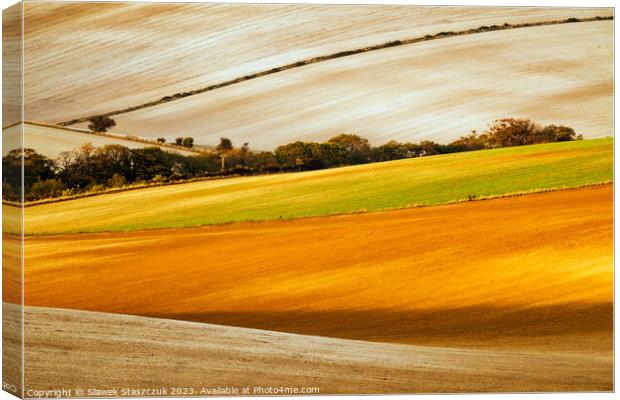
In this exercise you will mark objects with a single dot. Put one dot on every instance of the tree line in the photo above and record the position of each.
(89, 170)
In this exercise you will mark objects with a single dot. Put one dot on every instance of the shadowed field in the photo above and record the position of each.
(532, 271)
(121, 351)
(365, 188)
(436, 90)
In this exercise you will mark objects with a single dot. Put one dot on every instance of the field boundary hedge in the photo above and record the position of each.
(122, 189)
(119, 136)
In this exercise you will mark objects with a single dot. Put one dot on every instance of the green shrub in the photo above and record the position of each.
(46, 188)
(117, 180)
(188, 142)
(225, 145)
(557, 133)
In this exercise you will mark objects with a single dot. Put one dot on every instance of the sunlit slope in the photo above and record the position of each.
(438, 90)
(372, 187)
(138, 352)
(52, 141)
(531, 271)
(11, 267)
(84, 59)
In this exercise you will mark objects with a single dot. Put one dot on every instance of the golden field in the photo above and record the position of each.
(437, 275)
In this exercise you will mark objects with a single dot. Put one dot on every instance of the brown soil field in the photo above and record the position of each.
(105, 46)
(90, 349)
(532, 272)
(434, 90)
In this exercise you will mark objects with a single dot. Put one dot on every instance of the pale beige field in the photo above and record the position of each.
(11, 138)
(12, 100)
(51, 141)
(121, 351)
(11, 346)
(120, 55)
(435, 90)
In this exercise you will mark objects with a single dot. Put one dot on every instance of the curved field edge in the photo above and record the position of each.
(425, 181)
(134, 349)
(50, 140)
(340, 54)
(116, 136)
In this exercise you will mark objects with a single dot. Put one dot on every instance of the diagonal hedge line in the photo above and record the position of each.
(440, 35)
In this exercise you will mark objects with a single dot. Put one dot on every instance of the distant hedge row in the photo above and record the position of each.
(90, 170)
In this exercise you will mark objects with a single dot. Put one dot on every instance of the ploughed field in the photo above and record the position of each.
(51, 141)
(179, 45)
(437, 90)
(148, 352)
(430, 180)
(531, 271)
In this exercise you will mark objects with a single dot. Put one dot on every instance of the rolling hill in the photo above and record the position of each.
(435, 90)
(180, 46)
(365, 188)
(488, 270)
(116, 351)
(51, 141)
(526, 276)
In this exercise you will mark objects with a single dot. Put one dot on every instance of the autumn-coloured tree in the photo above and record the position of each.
(508, 132)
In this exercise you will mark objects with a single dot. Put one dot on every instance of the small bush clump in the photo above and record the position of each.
(101, 123)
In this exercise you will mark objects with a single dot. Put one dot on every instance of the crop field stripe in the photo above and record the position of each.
(346, 53)
(364, 188)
